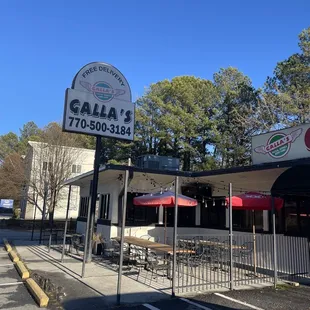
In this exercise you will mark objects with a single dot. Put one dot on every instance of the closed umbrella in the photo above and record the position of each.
(165, 199)
(255, 202)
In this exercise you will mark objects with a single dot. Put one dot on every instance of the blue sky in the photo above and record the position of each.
(44, 43)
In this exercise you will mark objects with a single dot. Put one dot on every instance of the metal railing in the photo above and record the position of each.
(204, 262)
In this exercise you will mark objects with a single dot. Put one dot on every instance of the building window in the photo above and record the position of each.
(213, 213)
(83, 206)
(140, 216)
(105, 207)
(76, 168)
(47, 164)
(244, 220)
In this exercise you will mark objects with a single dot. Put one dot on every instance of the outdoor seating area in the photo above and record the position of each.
(202, 261)
(197, 261)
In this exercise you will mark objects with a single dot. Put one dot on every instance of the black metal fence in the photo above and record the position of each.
(204, 262)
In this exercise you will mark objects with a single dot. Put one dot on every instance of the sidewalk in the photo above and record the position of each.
(96, 289)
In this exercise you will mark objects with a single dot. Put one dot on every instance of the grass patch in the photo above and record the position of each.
(283, 286)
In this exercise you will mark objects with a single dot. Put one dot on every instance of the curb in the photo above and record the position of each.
(13, 256)
(22, 270)
(7, 245)
(291, 283)
(37, 293)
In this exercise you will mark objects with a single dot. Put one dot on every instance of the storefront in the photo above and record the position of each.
(281, 166)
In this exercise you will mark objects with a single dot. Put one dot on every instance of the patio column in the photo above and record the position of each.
(120, 269)
(175, 236)
(275, 265)
(231, 238)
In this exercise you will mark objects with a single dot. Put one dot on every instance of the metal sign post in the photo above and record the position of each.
(93, 199)
(87, 231)
(121, 257)
(175, 234)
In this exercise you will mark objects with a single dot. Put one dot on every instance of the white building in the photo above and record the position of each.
(281, 168)
(39, 161)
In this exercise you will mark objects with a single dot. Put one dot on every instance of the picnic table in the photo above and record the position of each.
(155, 246)
(220, 250)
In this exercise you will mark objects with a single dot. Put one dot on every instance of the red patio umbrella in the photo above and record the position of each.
(255, 202)
(165, 199)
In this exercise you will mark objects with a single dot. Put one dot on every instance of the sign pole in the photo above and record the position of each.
(86, 231)
(93, 198)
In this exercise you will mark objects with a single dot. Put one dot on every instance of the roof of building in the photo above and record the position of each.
(248, 178)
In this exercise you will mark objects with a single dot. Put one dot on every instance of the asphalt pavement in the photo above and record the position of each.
(13, 293)
(285, 297)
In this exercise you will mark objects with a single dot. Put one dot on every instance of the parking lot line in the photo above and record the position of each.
(195, 304)
(11, 283)
(4, 265)
(238, 301)
(150, 307)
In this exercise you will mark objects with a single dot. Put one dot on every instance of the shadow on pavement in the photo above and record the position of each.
(132, 301)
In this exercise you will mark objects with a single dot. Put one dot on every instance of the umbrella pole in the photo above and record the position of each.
(254, 243)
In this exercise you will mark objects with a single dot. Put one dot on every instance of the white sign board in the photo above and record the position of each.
(286, 144)
(99, 103)
(6, 203)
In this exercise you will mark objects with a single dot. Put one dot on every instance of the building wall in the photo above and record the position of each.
(83, 157)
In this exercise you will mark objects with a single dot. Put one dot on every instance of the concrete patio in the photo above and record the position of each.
(99, 283)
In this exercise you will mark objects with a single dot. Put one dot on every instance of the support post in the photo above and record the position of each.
(231, 239)
(175, 235)
(254, 242)
(66, 226)
(93, 198)
(121, 256)
(275, 264)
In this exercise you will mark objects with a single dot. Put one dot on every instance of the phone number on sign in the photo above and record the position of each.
(99, 126)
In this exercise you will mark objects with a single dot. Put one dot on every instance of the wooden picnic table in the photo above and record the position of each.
(147, 244)
(141, 242)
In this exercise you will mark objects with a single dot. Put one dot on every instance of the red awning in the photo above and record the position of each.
(166, 199)
(254, 201)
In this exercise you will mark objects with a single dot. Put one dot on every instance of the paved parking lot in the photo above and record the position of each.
(13, 293)
(286, 298)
